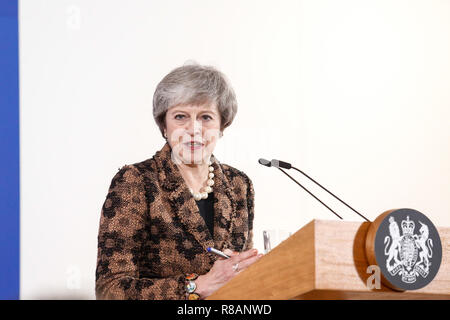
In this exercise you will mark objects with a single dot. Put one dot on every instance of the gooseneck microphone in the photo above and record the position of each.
(285, 165)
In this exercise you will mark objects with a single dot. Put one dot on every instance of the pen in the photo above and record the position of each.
(218, 252)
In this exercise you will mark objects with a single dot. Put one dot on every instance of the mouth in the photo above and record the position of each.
(194, 145)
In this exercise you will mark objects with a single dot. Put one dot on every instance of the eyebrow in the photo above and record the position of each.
(175, 110)
(209, 111)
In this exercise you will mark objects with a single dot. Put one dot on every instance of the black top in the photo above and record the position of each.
(206, 207)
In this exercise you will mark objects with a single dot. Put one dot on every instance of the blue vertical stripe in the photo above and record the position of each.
(9, 151)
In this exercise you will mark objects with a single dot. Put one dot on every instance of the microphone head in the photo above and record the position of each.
(265, 162)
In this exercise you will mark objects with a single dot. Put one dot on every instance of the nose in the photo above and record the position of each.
(194, 128)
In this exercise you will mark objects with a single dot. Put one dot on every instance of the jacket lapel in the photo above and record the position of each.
(224, 210)
(185, 208)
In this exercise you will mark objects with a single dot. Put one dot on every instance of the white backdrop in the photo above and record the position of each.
(355, 93)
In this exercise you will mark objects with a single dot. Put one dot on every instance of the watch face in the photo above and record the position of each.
(191, 286)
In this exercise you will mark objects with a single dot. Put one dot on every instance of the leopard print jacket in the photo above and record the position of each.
(151, 233)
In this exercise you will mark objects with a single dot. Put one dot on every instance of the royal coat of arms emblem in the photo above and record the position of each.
(408, 253)
(407, 248)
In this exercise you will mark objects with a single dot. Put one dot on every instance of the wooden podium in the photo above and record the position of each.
(325, 260)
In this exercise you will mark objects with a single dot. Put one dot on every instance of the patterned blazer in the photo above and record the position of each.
(151, 233)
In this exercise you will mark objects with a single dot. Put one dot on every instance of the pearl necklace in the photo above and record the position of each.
(208, 189)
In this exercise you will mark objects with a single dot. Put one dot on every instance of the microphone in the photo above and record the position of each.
(275, 163)
(265, 162)
(285, 165)
(280, 164)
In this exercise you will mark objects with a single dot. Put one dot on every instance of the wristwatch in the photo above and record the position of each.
(191, 286)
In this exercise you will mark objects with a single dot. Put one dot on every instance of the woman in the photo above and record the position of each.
(161, 215)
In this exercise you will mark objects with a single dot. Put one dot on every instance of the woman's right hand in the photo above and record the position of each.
(224, 270)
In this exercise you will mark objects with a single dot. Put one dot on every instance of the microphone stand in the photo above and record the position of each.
(330, 193)
(310, 193)
(281, 164)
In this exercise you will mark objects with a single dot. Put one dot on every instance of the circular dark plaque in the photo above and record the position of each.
(406, 246)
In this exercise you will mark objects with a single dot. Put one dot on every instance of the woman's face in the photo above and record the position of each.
(192, 132)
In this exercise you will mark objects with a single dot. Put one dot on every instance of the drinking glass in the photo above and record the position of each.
(273, 237)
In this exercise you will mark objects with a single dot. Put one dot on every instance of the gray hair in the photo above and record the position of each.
(194, 84)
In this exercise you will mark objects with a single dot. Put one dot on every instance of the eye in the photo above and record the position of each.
(206, 117)
(179, 116)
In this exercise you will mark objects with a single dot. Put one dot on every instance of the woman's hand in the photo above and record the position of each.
(224, 270)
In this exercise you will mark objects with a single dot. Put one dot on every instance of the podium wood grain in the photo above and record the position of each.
(325, 260)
